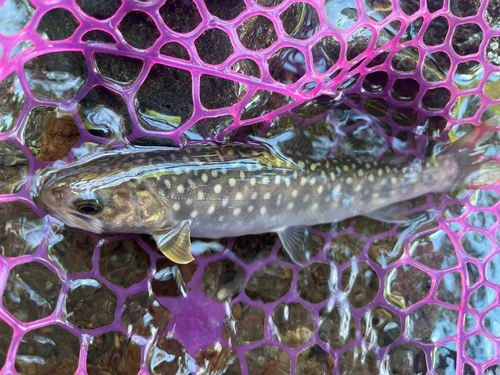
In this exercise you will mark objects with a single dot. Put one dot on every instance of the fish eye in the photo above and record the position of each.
(88, 206)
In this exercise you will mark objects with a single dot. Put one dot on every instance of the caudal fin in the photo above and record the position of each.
(477, 167)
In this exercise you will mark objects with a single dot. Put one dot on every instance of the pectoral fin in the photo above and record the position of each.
(175, 243)
(297, 243)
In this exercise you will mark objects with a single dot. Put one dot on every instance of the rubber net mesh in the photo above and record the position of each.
(373, 78)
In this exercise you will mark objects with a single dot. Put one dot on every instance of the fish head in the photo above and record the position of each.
(85, 201)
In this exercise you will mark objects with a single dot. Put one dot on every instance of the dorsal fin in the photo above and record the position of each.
(296, 145)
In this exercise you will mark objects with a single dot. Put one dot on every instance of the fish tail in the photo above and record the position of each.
(476, 167)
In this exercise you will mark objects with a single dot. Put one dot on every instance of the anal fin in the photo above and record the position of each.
(297, 243)
(175, 243)
(395, 213)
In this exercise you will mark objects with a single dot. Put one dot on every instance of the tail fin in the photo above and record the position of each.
(470, 152)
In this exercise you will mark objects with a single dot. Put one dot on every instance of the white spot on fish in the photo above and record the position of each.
(201, 195)
(295, 192)
(176, 206)
(167, 183)
(323, 175)
(313, 167)
(224, 170)
(312, 181)
(180, 189)
(239, 196)
(242, 175)
(254, 195)
(250, 208)
(232, 182)
(303, 180)
(211, 209)
(314, 206)
(277, 180)
(371, 178)
(346, 168)
(358, 187)
(301, 164)
(280, 198)
(214, 173)
(266, 180)
(347, 202)
(194, 214)
(336, 191)
(177, 171)
(189, 201)
(367, 165)
(332, 176)
(394, 180)
(217, 188)
(267, 196)
(236, 211)
(263, 210)
(360, 172)
(380, 172)
(295, 175)
(225, 202)
(320, 189)
(185, 159)
(204, 177)
(306, 198)
(288, 182)
(289, 206)
(348, 180)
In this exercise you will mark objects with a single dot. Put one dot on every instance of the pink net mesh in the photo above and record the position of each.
(390, 77)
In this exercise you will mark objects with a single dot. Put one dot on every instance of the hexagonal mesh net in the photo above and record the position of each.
(374, 78)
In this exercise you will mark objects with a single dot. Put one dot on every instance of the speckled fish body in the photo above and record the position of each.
(235, 190)
(232, 190)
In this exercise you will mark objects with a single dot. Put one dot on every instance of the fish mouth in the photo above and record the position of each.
(82, 222)
(82, 217)
(39, 181)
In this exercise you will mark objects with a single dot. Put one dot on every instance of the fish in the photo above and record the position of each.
(217, 190)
